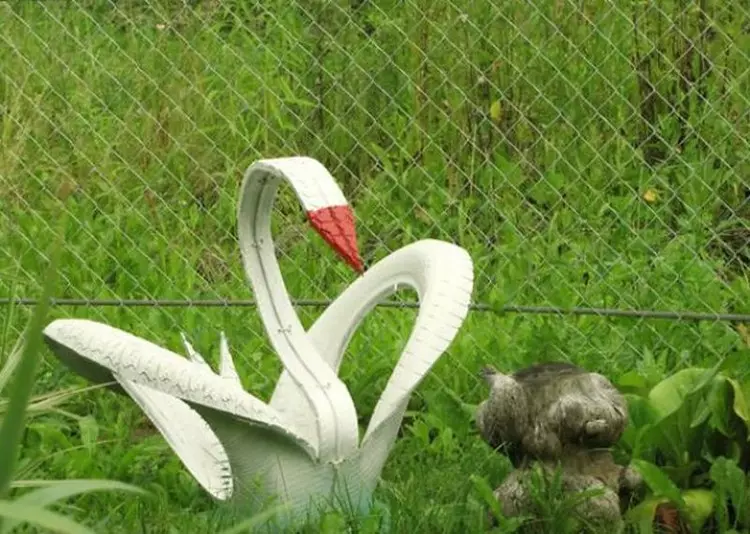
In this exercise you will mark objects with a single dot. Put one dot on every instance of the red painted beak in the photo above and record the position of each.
(335, 224)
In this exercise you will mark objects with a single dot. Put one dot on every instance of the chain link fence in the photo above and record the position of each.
(586, 154)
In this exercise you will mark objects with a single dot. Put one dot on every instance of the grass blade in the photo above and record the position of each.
(47, 519)
(7, 324)
(50, 401)
(52, 491)
(255, 521)
(11, 362)
(11, 428)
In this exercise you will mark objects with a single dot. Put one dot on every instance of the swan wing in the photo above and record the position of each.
(188, 434)
(173, 392)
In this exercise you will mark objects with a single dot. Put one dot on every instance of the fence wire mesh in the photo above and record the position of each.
(586, 154)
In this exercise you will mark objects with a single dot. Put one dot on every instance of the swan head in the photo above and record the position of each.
(327, 209)
(335, 224)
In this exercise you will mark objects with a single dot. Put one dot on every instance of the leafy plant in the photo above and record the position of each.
(694, 425)
(696, 504)
(732, 491)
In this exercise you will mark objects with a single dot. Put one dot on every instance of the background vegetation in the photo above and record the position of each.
(586, 154)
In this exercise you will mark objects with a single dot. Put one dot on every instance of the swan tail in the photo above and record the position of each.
(227, 370)
(193, 354)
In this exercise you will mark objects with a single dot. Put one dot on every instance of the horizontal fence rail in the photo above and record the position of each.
(534, 310)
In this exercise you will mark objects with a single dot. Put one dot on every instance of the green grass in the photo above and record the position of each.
(525, 134)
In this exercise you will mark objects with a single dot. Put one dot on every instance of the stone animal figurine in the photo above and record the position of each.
(560, 416)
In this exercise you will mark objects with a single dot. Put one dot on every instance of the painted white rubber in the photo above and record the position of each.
(303, 447)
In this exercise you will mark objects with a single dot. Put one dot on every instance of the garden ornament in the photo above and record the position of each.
(557, 415)
(302, 448)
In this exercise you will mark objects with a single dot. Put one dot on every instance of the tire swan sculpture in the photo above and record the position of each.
(302, 448)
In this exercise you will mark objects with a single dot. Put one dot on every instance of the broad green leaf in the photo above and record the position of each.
(640, 410)
(679, 401)
(681, 474)
(701, 415)
(39, 516)
(673, 437)
(730, 481)
(641, 416)
(658, 481)
(632, 380)
(667, 396)
(642, 515)
(52, 491)
(741, 406)
(719, 400)
(699, 505)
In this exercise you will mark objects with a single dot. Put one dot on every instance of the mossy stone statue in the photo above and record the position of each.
(558, 415)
